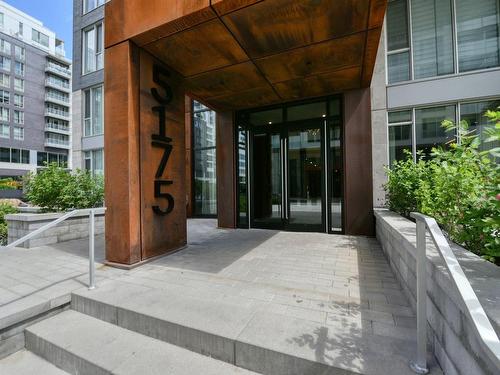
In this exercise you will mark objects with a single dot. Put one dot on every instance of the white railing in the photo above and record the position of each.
(91, 212)
(488, 338)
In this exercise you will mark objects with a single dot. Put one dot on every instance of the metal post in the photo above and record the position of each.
(420, 365)
(91, 250)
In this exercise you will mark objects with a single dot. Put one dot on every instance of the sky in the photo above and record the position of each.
(57, 15)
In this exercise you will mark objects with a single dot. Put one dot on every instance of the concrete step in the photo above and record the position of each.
(249, 335)
(80, 344)
(27, 363)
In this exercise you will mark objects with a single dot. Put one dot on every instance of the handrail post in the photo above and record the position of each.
(91, 249)
(420, 365)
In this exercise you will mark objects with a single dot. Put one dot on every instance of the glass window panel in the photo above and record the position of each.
(15, 155)
(204, 129)
(432, 34)
(41, 158)
(242, 179)
(306, 111)
(473, 113)
(5, 154)
(477, 33)
(53, 158)
(25, 156)
(397, 25)
(205, 186)
(400, 116)
(398, 67)
(399, 141)
(336, 176)
(429, 132)
(98, 162)
(267, 117)
(197, 106)
(97, 110)
(334, 107)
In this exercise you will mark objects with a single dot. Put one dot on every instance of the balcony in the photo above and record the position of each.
(58, 70)
(57, 99)
(57, 143)
(57, 84)
(56, 113)
(55, 128)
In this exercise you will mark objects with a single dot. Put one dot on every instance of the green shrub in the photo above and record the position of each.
(5, 209)
(10, 184)
(56, 189)
(459, 187)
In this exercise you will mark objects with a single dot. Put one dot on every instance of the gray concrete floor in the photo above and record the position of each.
(340, 282)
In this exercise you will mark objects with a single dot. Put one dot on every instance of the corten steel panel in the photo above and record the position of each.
(161, 234)
(121, 135)
(285, 40)
(146, 21)
(314, 59)
(269, 27)
(226, 171)
(318, 85)
(358, 192)
(200, 49)
(226, 81)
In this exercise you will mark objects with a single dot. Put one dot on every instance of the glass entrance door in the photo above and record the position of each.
(305, 187)
(288, 175)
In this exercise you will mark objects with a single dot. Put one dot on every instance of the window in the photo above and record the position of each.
(93, 111)
(477, 34)
(14, 155)
(400, 135)
(40, 38)
(93, 49)
(4, 114)
(432, 33)
(19, 100)
(4, 63)
(4, 131)
(57, 81)
(20, 53)
(473, 113)
(18, 133)
(18, 117)
(21, 29)
(428, 129)
(19, 84)
(5, 47)
(94, 162)
(4, 97)
(1, 20)
(89, 5)
(19, 68)
(398, 42)
(4, 80)
(204, 155)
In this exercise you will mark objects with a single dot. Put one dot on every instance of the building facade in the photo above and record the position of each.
(437, 60)
(35, 95)
(294, 132)
(88, 85)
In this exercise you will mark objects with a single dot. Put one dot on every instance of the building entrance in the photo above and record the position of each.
(293, 159)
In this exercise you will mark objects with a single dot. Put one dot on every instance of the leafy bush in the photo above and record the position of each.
(459, 187)
(56, 189)
(5, 209)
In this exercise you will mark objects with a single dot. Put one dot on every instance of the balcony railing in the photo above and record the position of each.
(56, 127)
(57, 98)
(56, 83)
(51, 67)
(56, 142)
(56, 112)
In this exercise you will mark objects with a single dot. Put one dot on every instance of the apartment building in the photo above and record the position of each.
(437, 60)
(88, 81)
(35, 95)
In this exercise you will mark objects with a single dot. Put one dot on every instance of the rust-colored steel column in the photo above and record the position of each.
(358, 183)
(189, 155)
(226, 170)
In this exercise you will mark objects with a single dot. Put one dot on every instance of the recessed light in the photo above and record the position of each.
(270, 122)
(324, 116)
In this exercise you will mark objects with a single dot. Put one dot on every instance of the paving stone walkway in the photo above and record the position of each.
(330, 299)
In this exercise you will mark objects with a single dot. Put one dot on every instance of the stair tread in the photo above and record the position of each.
(116, 350)
(27, 363)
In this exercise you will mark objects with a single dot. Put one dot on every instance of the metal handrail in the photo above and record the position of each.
(91, 212)
(488, 338)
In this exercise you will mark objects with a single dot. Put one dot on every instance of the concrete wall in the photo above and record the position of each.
(450, 330)
(19, 225)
